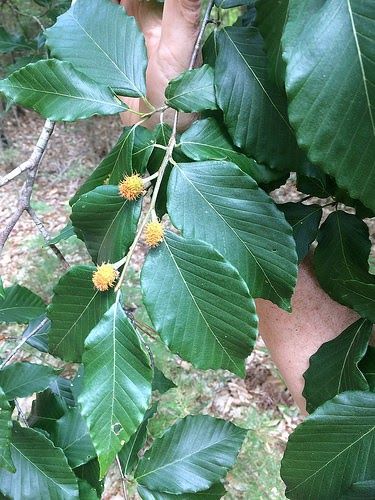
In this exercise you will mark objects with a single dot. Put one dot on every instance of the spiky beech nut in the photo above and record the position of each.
(131, 187)
(104, 277)
(154, 234)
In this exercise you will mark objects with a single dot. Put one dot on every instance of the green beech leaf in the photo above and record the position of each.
(10, 42)
(51, 404)
(128, 455)
(65, 233)
(329, 50)
(76, 308)
(331, 449)
(106, 222)
(5, 433)
(37, 333)
(117, 384)
(359, 490)
(193, 90)
(208, 140)
(90, 474)
(59, 92)
(86, 491)
(162, 134)
(20, 305)
(216, 492)
(367, 367)
(228, 4)
(362, 295)
(22, 379)
(341, 263)
(271, 19)
(199, 321)
(41, 469)
(130, 154)
(218, 203)
(161, 383)
(305, 220)
(261, 127)
(70, 433)
(312, 180)
(334, 367)
(118, 61)
(191, 456)
(2, 291)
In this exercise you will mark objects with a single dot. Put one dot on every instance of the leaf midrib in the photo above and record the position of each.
(364, 79)
(198, 308)
(259, 83)
(237, 235)
(332, 459)
(186, 457)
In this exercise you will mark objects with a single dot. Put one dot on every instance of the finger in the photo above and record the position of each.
(180, 27)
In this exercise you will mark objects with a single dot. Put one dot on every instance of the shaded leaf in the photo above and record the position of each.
(331, 449)
(128, 454)
(208, 140)
(90, 473)
(76, 308)
(329, 50)
(360, 489)
(5, 433)
(216, 492)
(240, 221)
(20, 305)
(161, 383)
(37, 333)
(199, 321)
(261, 127)
(367, 367)
(38, 464)
(271, 19)
(341, 262)
(117, 384)
(65, 233)
(22, 379)
(312, 180)
(130, 154)
(191, 456)
(305, 220)
(117, 61)
(2, 291)
(334, 367)
(70, 433)
(10, 42)
(228, 4)
(59, 92)
(106, 222)
(193, 90)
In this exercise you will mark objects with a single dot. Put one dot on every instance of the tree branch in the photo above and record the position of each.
(36, 155)
(46, 236)
(32, 168)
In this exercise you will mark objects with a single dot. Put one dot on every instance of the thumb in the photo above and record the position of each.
(180, 27)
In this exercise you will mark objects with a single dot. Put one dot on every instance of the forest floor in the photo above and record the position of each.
(260, 402)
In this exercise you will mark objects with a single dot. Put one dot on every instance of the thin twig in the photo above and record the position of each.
(27, 189)
(22, 342)
(36, 155)
(198, 42)
(46, 236)
(123, 478)
(168, 155)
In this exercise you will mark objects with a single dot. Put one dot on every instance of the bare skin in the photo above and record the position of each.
(290, 337)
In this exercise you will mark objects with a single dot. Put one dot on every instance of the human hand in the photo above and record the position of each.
(170, 36)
